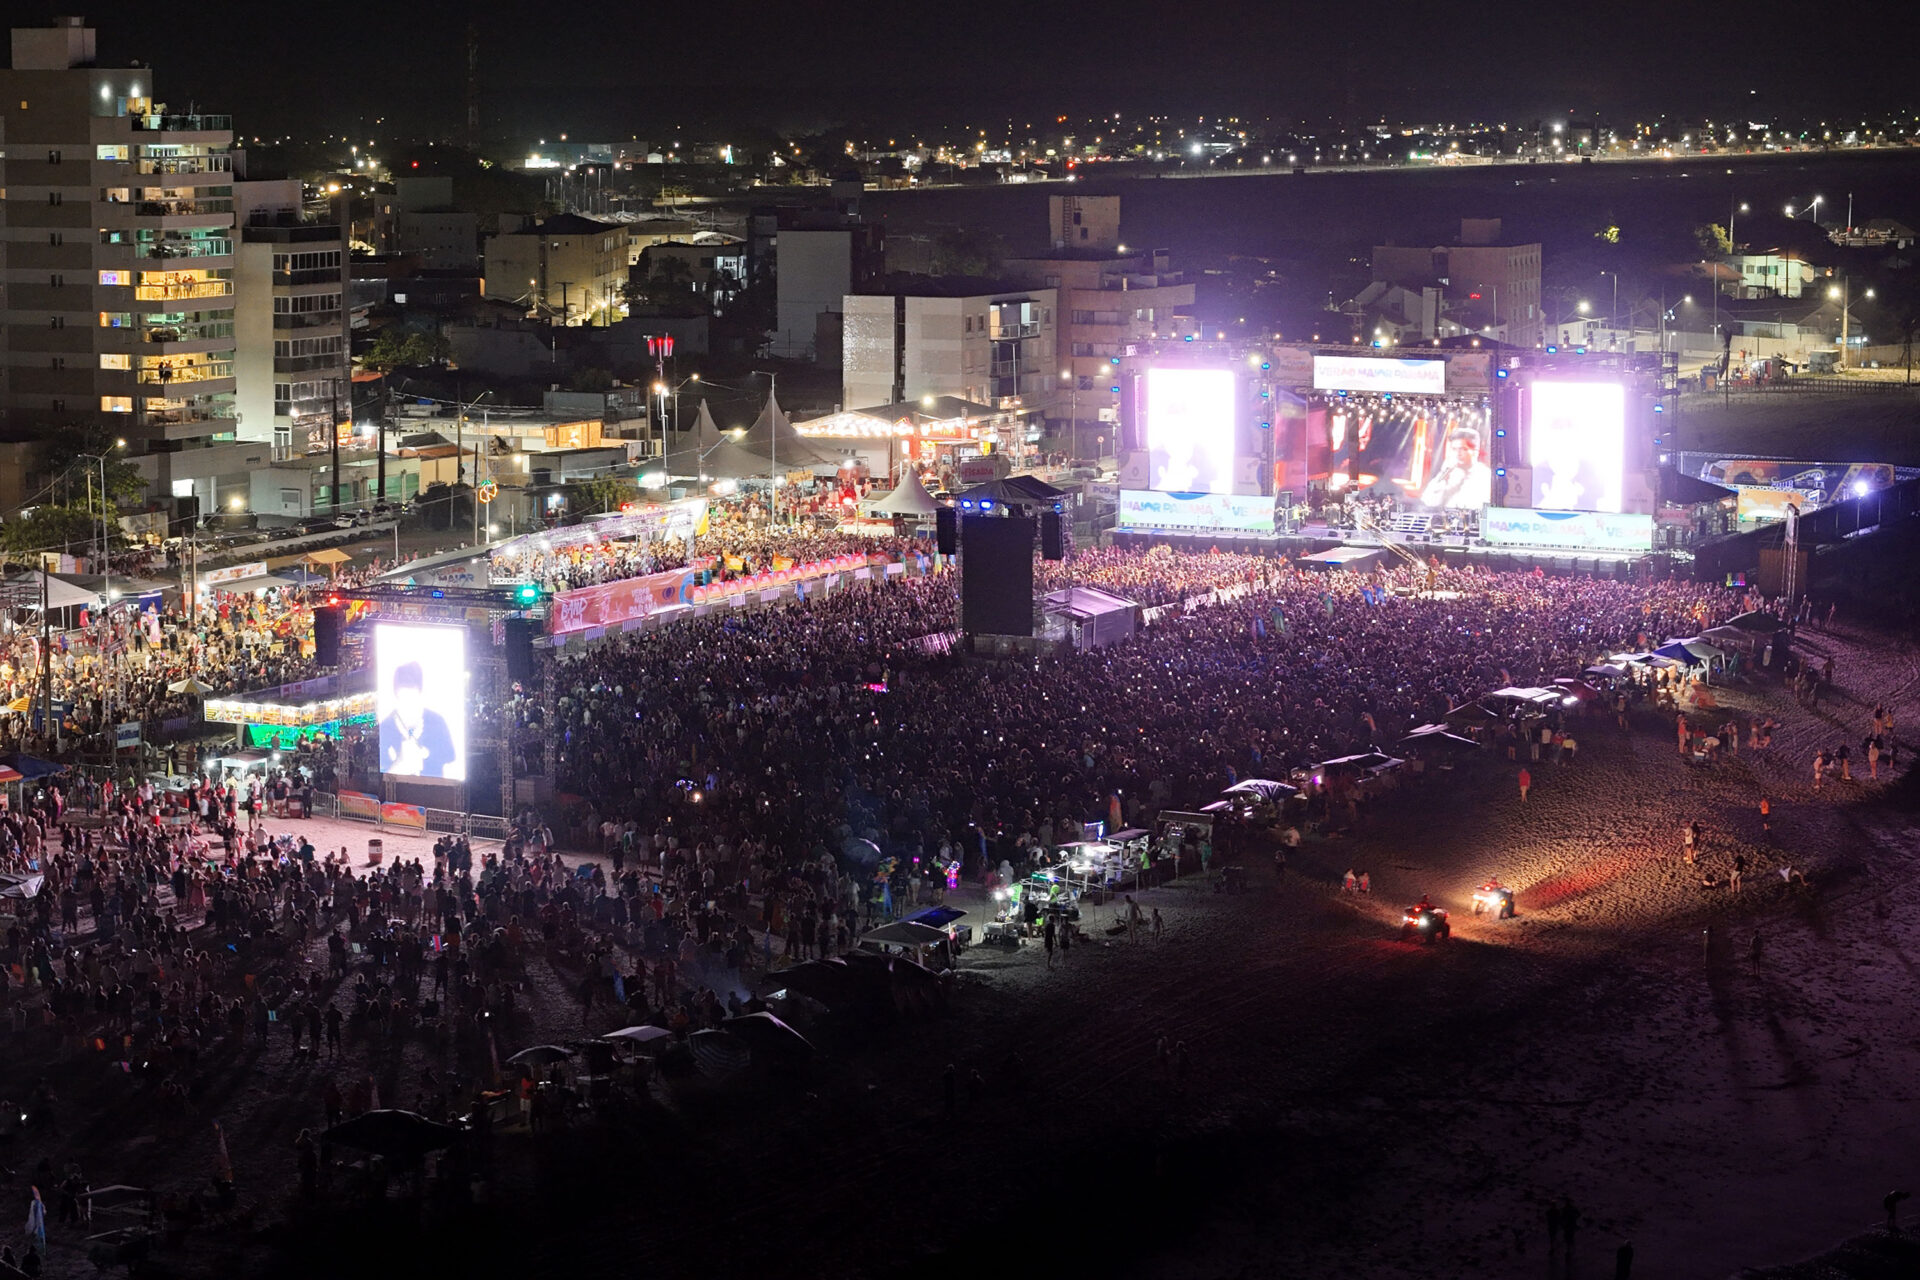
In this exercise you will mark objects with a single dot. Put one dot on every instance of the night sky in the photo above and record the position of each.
(613, 70)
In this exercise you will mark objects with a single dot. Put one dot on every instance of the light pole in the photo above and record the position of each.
(773, 442)
(1732, 246)
(1844, 292)
(1613, 315)
(662, 390)
(1073, 410)
(106, 584)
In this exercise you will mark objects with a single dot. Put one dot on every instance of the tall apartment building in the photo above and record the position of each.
(293, 376)
(913, 336)
(116, 253)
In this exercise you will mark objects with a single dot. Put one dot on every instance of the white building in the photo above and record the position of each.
(1777, 274)
(914, 336)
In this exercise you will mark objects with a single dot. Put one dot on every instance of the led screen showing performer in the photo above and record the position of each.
(1429, 451)
(420, 700)
(1578, 433)
(1461, 480)
(1190, 421)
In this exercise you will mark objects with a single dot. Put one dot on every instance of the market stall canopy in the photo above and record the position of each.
(1701, 649)
(1613, 669)
(1733, 637)
(1532, 695)
(1354, 558)
(1470, 713)
(392, 1133)
(905, 933)
(1576, 688)
(22, 591)
(1265, 788)
(258, 582)
(642, 1037)
(327, 556)
(909, 499)
(1372, 762)
(192, 684)
(1674, 651)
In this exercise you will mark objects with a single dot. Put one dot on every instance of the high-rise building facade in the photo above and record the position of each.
(116, 252)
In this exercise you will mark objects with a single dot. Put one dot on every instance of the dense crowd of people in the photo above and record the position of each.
(810, 726)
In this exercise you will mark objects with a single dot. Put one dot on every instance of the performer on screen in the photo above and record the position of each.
(1463, 480)
(414, 739)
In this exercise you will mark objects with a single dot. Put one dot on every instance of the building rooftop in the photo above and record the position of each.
(919, 286)
(566, 224)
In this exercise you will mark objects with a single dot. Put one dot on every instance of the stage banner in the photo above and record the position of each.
(1361, 373)
(1596, 531)
(1227, 512)
(358, 804)
(404, 815)
(612, 603)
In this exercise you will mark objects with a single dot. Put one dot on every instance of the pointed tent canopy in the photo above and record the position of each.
(909, 499)
(772, 436)
(23, 591)
(708, 451)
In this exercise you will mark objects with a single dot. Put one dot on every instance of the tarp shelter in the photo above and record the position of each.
(1534, 697)
(1088, 617)
(1371, 763)
(1470, 713)
(1701, 648)
(772, 437)
(16, 885)
(908, 501)
(23, 591)
(1612, 669)
(1358, 559)
(327, 557)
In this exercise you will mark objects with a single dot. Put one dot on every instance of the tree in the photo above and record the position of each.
(71, 450)
(53, 528)
(1713, 239)
(394, 349)
(602, 493)
(591, 380)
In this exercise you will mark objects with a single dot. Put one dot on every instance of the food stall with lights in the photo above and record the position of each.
(930, 436)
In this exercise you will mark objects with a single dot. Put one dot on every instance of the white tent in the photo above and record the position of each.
(23, 590)
(712, 453)
(908, 501)
(772, 437)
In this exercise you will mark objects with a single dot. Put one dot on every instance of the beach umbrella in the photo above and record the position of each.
(394, 1134)
(541, 1055)
(719, 1053)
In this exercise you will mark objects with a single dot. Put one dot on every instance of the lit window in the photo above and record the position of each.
(116, 361)
(116, 277)
(116, 404)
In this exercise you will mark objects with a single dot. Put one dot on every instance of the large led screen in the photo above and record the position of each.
(1190, 416)
(1578, 438)
(420, 699)
(1433, 452)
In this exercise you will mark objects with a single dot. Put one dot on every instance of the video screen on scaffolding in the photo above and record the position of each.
(1578, 434)
(420, 700)
(1190, 430)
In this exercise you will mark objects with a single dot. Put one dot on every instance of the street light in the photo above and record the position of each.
(1843, 291)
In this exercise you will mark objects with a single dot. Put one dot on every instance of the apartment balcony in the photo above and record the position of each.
(211, 378)
(185, 291)
(181, 129)
(184, 167)
(185, 215)
(1000, 332)
(188, 420)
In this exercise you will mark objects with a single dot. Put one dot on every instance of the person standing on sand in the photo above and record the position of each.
(1623, 1261)
(1526, 783)
(1766, 817)
(1553, 1227)
(1159, 925)
(1569, 1222)
(1754, 950)
(1047, 937)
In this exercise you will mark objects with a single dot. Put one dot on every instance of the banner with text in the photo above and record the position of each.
(611, 603)
(1595, 531)
(1228, 512)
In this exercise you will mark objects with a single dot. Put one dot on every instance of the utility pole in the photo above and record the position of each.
(333, 443)
(47, 720)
